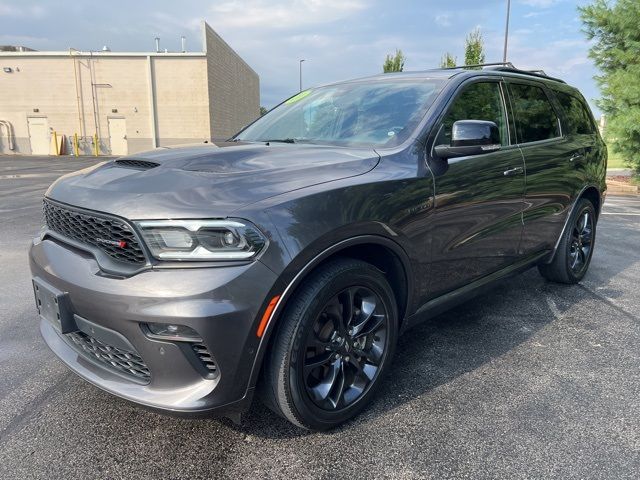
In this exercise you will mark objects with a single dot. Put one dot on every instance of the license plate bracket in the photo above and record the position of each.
(54, 306)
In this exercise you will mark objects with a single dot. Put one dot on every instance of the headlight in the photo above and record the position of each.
(201, 239)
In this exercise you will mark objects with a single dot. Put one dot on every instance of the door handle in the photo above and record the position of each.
(513, 171)
(575, 156)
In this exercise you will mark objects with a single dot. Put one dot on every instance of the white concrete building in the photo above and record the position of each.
(128, 101)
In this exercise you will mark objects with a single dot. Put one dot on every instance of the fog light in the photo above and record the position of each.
(170, 331)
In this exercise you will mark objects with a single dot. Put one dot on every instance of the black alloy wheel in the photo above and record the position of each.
(332, 346)
(575, 248)
(581, 242)
(345, 347)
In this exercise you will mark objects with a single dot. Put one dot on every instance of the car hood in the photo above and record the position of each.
(206, 180)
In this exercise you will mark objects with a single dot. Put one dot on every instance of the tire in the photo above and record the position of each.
(326, 360)
(572, 259)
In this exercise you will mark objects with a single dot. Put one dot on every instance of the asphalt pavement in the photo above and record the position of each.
(532, 380)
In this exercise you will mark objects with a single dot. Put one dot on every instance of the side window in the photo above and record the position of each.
(535, 117)
(577, 119)
(478, 101)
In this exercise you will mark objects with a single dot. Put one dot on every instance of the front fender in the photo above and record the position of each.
(305, 263)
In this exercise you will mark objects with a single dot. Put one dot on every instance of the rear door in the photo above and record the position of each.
(550, 180)
(581, 131)
(477, 221)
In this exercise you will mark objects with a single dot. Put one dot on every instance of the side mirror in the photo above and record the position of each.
(470, 137)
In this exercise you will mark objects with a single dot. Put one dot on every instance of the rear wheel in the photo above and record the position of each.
(334, 341)
(573, 256)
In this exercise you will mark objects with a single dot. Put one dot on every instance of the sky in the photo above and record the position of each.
(339, 39)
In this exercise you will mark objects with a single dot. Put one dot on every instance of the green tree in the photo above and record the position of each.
(448, 61)
(474, 48)
(614, 27)
(394, 63)
(263, 110)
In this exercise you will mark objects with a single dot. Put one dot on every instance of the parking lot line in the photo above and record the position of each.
(619, 213)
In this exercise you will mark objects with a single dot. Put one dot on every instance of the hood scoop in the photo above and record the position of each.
(137, 164)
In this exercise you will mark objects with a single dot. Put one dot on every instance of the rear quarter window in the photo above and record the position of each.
(535, 117)
(577, 120)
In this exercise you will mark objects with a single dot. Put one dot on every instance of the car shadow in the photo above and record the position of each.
(447, 346)
(451, 345)
(428, 356)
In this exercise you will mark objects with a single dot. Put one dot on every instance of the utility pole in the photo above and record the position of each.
(506, 32)
(73, 53)
(94, 103)
(301, 73)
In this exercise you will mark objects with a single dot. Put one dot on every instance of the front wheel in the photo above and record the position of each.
(575, 249)
(334, 342)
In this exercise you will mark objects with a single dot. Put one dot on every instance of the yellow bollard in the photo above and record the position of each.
(75, 144)
(55, 143)
(95, 144)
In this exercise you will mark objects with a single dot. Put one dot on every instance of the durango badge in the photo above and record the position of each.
(114, 243)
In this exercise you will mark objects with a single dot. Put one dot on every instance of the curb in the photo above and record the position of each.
(614, 187)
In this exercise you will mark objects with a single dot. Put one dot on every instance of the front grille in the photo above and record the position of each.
(139, 164)
(202, 352)
(129, 363)
(111, 235)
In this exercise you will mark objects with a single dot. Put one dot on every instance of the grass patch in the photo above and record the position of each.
(615, 160)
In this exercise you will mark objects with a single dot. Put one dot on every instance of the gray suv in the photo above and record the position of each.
(288, 259)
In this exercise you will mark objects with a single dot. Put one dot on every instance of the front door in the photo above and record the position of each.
(479, 199)
(39, 135)
(118, 136)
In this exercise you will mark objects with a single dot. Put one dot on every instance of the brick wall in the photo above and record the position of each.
(234, 88)
(196, 96)
(122, 89)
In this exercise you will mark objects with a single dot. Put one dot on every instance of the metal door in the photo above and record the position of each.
(39, 135)
(118, 136)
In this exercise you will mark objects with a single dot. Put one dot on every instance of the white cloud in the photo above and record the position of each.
(283, 14)
(310, 40)
(539, 3)
(8, 10)
(170, 23)
(36, 11)
(271, 35)
(564, 58)
(522, 32)
(443, 19)
(25, 40)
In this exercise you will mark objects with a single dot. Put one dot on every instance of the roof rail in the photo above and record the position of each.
(495, 64)
(507, 67)
(533, 73)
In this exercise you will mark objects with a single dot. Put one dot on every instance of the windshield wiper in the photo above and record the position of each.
(281, 140)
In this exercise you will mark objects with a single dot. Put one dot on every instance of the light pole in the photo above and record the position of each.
(301, 73)
(506, 32)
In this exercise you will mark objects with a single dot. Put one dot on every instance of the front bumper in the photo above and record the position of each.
(222, 304)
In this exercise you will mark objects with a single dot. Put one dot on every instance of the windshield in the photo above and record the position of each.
(381, 113)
